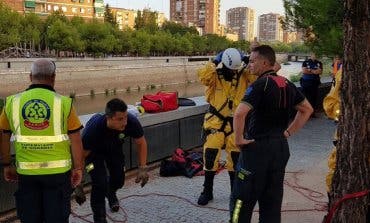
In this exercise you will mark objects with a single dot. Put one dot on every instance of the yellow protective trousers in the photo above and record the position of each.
(224, 96)
(216, 140)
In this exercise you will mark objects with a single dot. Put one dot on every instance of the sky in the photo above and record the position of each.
(261, 6)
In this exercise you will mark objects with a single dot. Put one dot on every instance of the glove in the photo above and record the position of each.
(142, 176)
(80, 196)
(218, 58)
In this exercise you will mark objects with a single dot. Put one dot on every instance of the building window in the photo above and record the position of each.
(82, 10)
(49, 7)
(56, 8)
(64, 9)
(74, 10)
(89, 10)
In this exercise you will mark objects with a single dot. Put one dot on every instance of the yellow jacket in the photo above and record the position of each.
(331, 102)
(220, 93)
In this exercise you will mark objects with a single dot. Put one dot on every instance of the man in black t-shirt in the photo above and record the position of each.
(102, 140)
(264, 112)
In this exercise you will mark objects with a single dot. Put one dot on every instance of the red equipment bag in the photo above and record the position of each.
(160, 102)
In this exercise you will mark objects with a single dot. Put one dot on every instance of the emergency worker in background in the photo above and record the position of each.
(48, 148)
(264, 152)
(225, 88)
(102, 139)
(310, 80)
(337, 65)
(331, 105)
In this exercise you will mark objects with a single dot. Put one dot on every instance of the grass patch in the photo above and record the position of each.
(295, 78)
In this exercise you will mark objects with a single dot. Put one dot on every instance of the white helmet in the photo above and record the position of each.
(231, 58)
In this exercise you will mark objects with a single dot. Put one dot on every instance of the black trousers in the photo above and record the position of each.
(44, 198)
(259, 177)
(310, 90)
(103, 181)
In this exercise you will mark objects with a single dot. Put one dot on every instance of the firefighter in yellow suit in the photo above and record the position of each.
(331, 106)
(225, 87)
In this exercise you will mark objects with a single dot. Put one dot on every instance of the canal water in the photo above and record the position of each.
(96, 103)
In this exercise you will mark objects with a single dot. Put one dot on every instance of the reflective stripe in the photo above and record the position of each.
(44, 165)
(238, 206)
(17, 127)
(57, 115)
(41, 139)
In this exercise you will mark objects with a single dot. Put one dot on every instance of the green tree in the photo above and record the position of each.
(98, 38)
(10, 25)
(147, 20)
(199, 44)
(157, 43)
(320, 21)
(177, 28)
(126, 40)
(141, 43)
(61, 36)
(185, 45)
(216, 43)
(32, 28)
(108, 16)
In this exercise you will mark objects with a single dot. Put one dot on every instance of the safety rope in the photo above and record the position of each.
(341, 200)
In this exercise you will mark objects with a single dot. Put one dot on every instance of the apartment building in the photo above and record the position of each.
(202, 14)
(241, 20)
(87, 9)
(270, 28)
(125, 18)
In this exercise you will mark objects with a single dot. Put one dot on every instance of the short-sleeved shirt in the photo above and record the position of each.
(100, 139)
(272, 99)
(313, 65)
(73, 124)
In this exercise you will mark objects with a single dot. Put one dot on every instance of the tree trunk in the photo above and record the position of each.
(353, 150)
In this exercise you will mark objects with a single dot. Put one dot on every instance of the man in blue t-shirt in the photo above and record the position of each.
(102, 140)
(310, 81)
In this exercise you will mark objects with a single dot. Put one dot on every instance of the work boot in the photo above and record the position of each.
(205, 197)
(113, 202)
(207, 194)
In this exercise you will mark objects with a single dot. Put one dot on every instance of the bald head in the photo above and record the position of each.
(43, 69)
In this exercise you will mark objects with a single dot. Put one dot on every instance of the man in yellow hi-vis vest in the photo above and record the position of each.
(47, 145)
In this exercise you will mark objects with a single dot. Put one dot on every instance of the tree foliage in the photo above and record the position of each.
(10, 27)
(108, 16)
(97, 38)
(176, 28)
(147, 20)
(320, 21)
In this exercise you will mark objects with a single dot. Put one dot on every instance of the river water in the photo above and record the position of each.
(91, 104)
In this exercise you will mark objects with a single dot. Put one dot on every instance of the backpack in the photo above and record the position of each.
(182, 163)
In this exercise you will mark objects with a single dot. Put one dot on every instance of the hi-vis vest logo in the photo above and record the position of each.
(36, 114)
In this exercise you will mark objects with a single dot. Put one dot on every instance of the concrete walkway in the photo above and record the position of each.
(173, 199)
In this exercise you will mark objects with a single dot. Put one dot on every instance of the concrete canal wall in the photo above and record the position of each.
(81, 76)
